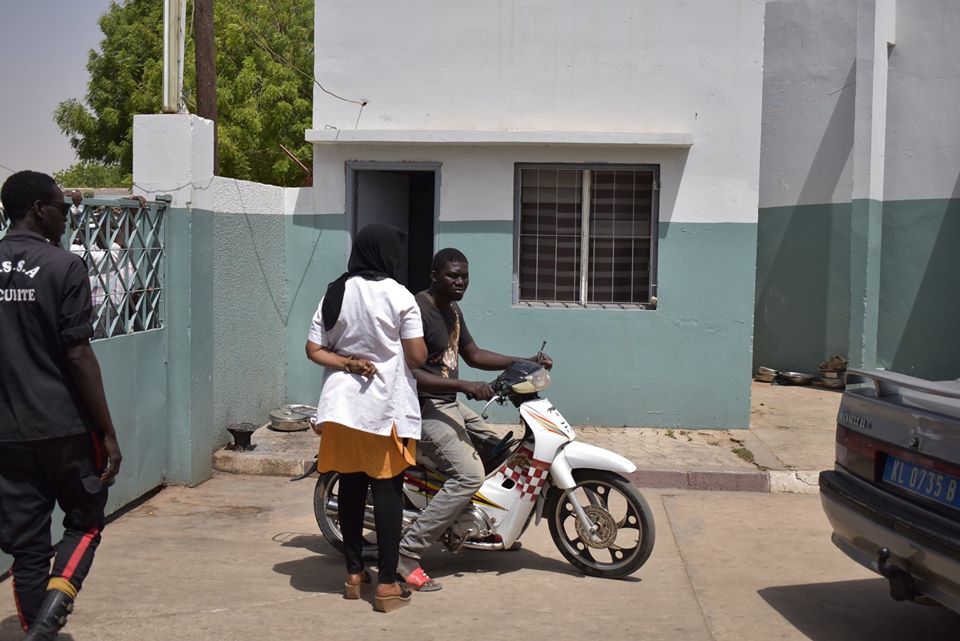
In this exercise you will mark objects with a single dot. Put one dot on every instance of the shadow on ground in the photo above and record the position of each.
(10, 630)
(858, 611)
(323, 571)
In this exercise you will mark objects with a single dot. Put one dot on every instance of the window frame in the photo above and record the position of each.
(651, 303)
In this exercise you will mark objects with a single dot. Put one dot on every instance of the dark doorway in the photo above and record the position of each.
(404, 198)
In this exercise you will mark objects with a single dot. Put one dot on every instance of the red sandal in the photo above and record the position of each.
(419, 581)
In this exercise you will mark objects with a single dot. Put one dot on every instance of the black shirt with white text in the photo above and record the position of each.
(45, 307)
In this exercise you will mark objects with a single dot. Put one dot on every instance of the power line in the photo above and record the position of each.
(265, 45)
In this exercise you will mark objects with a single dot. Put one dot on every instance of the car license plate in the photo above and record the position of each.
(916, 479)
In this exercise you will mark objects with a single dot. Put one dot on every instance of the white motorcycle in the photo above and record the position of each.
(598, 519)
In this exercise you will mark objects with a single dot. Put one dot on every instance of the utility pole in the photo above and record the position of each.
(206, 62)
(172, 55)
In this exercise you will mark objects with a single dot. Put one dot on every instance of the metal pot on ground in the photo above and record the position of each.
(291, 418)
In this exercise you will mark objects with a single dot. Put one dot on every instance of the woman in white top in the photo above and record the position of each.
(368, 334)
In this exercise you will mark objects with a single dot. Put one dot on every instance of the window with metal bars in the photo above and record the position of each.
(586, 235)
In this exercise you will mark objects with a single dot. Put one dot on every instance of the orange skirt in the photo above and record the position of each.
(346, 450)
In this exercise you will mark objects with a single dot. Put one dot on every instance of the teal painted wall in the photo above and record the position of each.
(249, 319)
(316, 253)
(189, 321)
(866, 255)
(919, 306)
(803, 286)
(226, 313)
(685, 364)
(804, 283)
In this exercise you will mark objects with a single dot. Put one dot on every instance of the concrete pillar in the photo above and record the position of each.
(875, 35)
(173, 154)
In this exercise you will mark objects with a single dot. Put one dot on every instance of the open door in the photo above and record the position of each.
(405, 198)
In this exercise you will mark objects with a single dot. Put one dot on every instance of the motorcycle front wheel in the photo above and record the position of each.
(625, 531)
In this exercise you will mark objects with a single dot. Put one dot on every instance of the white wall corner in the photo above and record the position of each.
(172, 154)
(298, 200)
(887, 21)
(232, 196)
(875, 21)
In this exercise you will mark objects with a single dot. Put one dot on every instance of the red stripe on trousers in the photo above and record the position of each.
(97, 451)
(16, 600)
(79, 552)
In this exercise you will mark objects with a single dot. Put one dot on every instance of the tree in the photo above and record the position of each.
(264, 86)
(88, 173)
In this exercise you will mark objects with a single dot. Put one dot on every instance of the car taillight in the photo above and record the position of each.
(856, 453)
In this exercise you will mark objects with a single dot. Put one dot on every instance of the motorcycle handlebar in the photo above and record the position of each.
(496, 391)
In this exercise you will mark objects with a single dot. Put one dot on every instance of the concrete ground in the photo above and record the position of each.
(240, 558)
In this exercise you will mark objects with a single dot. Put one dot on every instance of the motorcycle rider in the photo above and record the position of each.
(447, 425)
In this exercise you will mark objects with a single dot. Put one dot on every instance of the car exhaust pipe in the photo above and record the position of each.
(902, 585)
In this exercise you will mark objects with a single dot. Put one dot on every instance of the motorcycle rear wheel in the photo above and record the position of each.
(328, 521)
(626, 527)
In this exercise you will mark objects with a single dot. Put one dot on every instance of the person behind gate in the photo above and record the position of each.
(57, 439)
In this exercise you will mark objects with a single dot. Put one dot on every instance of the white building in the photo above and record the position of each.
(597, 163)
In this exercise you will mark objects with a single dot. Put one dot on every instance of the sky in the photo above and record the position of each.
(43, 57)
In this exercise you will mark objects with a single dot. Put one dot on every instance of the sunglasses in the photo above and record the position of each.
(59, 204)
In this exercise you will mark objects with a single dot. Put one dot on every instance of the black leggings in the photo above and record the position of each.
(388, 514)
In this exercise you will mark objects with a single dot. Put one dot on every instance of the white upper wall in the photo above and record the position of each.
(808, 102)
(923, 104)
(476, 183)
(172, 154)
(559, 65)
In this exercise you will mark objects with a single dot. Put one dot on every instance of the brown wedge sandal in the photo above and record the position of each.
(354, 585)
(391, 602)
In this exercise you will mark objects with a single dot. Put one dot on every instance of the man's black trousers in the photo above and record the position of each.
(34, 476)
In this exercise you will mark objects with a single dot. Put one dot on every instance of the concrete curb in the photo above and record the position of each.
(797, 482)
(779, 481)
(258, 464)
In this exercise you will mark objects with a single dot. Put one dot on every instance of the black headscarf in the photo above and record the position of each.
(379, 251)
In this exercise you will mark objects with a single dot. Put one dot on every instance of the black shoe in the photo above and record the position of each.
(52, 616)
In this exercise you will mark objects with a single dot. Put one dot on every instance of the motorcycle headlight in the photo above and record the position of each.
(534, 382)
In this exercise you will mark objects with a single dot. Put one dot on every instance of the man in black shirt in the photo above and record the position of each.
(447, 424)
(57, 440)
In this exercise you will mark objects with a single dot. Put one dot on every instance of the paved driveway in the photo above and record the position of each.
(240, 558)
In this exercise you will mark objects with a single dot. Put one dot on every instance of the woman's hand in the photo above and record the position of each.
(360, 366)
(325, 357)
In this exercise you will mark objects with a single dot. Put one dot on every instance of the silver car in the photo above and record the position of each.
(893, 498)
